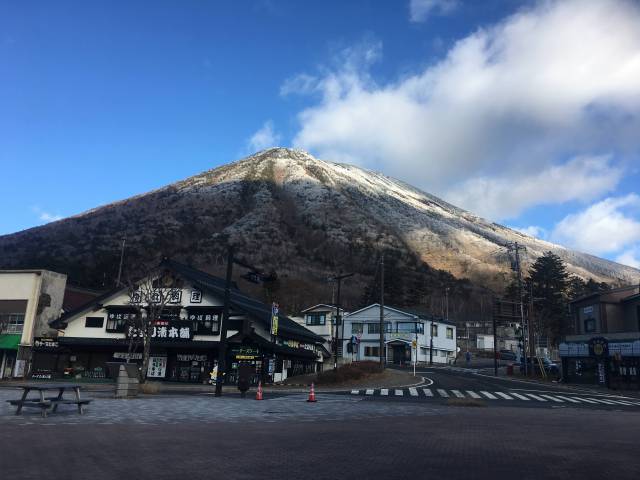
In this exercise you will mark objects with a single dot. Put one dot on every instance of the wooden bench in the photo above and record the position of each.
(42, 404)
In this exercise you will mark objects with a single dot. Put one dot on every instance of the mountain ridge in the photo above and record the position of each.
(289, 212)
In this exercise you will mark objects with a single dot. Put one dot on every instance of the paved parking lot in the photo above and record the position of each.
(179, 409)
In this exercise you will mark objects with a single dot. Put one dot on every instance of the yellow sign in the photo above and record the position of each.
(414, 344)
(274, 325)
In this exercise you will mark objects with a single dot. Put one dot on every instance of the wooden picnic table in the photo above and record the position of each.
(52, 402)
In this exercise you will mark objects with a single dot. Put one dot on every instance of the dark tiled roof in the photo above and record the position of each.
(216, 285)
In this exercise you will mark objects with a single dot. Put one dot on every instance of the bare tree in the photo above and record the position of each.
(150, 298)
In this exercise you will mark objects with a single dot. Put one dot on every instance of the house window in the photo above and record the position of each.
(205, 322)
(450, 333)
(590, 325)
(357, 328)
(117, 321)
(372, 351)
(409, 327)
(14, 322)
(434, 330)
(375, 327)
(443, 353)
(93, 322)
(316, 318)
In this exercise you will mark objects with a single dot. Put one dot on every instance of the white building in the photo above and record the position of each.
(320, 319)
(405, 334)
(29, 299)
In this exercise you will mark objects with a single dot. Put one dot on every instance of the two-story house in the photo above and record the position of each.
(28, 300)
(186, 333)
(407, 336)
(605, 348)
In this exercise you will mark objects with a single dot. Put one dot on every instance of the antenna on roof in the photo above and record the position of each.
(124, 239)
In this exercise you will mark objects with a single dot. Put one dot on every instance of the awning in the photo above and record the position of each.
(10, 341)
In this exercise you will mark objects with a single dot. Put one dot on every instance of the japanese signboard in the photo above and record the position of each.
(245, 353)
(166, 330)
(157, 367)
(196, 296)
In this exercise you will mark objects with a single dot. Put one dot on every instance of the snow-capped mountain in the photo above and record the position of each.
(287, 211)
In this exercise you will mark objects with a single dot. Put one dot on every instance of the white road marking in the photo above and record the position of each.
(521, 397)
(584, 399)
(427, 392)
(473, 394)
(413, 392)
(599, 400)
(536, 397)
(568, 399)
(621, 402)
(384, 391)
(399, 393)
(443, 393)
(458, 393)
(355, 392)
(369, 391)
(488, 395)
(503, 395)
(553, 398)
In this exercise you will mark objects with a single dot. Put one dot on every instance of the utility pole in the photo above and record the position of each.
(431, 342)
(121, 260)
(339, 321)
(222, 349)
(495, 342)
(382, 354)
(532, 333)
(517, 247)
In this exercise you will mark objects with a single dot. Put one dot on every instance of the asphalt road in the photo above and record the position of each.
(457, 443)
(444, 386)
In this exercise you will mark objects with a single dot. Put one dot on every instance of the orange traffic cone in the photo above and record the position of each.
(259, 392)
(312, 394)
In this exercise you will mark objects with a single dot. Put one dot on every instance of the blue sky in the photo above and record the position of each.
(524, 112)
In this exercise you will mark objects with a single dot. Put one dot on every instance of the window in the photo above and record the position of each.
(372, 351)
(375, 327)
(450, 333)
(205, 321)
(15, 322)
(409, 327)
(316, 318)
(94, 322)
(443, 353)
(590, 325)
(117, 320)
(434, 330)
(357, 328)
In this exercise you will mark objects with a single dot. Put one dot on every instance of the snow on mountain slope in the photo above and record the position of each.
(288, 211)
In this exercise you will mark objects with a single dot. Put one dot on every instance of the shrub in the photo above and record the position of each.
(349, 371)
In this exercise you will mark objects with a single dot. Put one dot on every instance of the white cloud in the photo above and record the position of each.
(533, 231)
(420, 10)
(45, 216)
(508, 105)
(630, 257)
(584, 178)
(604, 227)
(265, 137)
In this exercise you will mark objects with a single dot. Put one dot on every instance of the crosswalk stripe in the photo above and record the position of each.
(568, 399)
(488, 395)
(552, 398)
(355, 392)
(599, 400)
(442, 393)
(369, 391)
(503, 395)
(384, 391)
(413, 392)
(521, 397)
(586, 400)
(427, 392)
(399, 393)
(621, 402)
(536, 397)
(458, 393)
(473, 394)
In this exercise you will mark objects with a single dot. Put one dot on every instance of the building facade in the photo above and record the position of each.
(29, 300)
(186, 334)
(407, 336)
(605, 349)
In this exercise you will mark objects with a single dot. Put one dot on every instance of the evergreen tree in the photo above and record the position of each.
(549, 283)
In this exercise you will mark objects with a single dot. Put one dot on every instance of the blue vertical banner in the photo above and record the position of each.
(274, 318)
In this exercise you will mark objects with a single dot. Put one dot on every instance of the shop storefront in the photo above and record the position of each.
(612, 364)
(8, 353)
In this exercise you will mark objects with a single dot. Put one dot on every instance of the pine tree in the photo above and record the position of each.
(549, 282)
